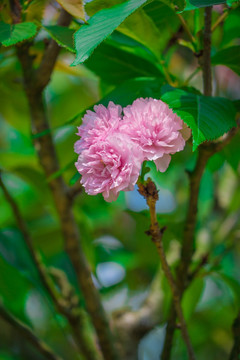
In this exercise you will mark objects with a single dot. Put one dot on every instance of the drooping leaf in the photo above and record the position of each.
(148, 35)
(20, 32)
(189, 6)
(229, 57)
(5, 31)
(130, 90)
(74, 7)
(231, 27)
(203, 3)
(35, 10)
(101, 25)
(62, 35)
(165, 19)
(208, 117)
(232, 283)
(115, 66)
(192, 296)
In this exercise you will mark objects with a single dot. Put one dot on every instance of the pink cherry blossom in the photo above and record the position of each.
(153, 125)
(109, 166)
(97, 124)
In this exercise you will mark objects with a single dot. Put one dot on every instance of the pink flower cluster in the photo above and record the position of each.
(112, 147)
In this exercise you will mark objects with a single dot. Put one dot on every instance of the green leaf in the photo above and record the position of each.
(232, 283)
(100, 26)
(229, 57)
(20, 32)
(203, 3)
(127, 92)
(165, 19)
(75, 178)
(62, 35)
(231, 153)
(208, 117)
(58, 173)
(35, 10)
(232, 2)
(114, 65)
(73, 7)
(179, 5)
(192, 296)
(231, 27)
(14, 289)
(149, 35)
(5, 31)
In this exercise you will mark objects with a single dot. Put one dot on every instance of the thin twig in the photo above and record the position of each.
(191, 76)
(74, 191)
(27, 333)
(43, 73)
(186, 28)
(64, 303)
(219, 20)
(150, 193)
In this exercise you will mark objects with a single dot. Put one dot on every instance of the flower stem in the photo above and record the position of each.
(150, 193)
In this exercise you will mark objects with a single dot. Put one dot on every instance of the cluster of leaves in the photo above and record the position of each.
(123, 50)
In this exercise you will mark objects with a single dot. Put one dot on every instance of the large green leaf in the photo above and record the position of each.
(62, 35)
(208, 117)
(165, 19)
(20, 32)
(229, 57)
(142, 28)
(203, 3)
(101, 25)
(149, 35)
(127, 92)
(231, 27)
(193, 4)
(115, 66)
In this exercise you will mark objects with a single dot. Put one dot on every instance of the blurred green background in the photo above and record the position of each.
(123, 259)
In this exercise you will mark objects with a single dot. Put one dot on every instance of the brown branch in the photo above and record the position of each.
(235, 352)
(150, 193)
(43, 73)
(27, 333)
(205, 152)
(65, 304)
(49, 162)
(74, 191)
